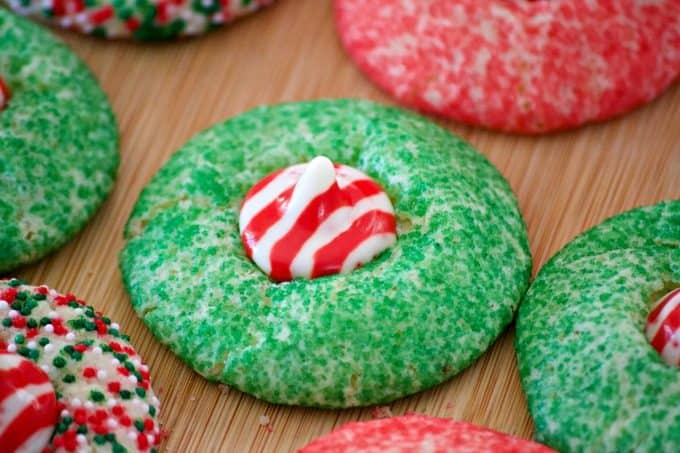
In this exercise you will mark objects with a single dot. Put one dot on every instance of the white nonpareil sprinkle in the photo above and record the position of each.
(264, 420)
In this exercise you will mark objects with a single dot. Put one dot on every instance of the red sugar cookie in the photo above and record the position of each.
(416, 433)
(516, 65)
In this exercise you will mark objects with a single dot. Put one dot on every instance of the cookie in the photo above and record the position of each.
(102, 387)
(58, 145)
(419, 313)
(143, 19)
(593, 380)
(521, 66)
(418, 433)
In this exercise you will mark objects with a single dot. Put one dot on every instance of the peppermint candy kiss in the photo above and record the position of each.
(315, 219)
(663, 327)
(28, 405)
(4, 94)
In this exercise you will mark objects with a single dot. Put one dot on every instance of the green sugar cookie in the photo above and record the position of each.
(593, 381)
(58, 143)
(416, 315)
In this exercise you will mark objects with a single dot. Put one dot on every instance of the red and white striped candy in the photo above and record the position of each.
(28, 405)
(315, 219)
(4, 94)
(663, 327)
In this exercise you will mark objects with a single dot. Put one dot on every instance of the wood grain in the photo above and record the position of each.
(164, 93)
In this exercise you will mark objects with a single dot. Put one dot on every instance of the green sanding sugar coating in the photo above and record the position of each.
(58, 143)
(418, 314)
(593, 382)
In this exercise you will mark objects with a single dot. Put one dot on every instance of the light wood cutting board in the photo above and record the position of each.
(164, 93)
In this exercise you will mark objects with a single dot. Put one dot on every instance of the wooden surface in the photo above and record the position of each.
(164, 93)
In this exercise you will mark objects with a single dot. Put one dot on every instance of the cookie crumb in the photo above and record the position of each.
(381, 412)
(266, 423)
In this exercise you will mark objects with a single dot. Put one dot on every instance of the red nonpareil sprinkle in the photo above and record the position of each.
(162, 13)
(31, 332)
(101, 415)
(132, 24)
(80, 347)
(60, 300)
(59, 328)
(42, 290)
(116, 346)
(125, 420)
(101, 327)
(148, 424)
(114, 387)
(123, 371)
(89, 372)
(70, 442)
(19, 322)
(58, 441)
(118, 410)
(100, 429)
(142, 441)
(80, 416)
(101, 15)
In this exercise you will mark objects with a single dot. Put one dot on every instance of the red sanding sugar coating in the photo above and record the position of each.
(419, 433)
(516, 65)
